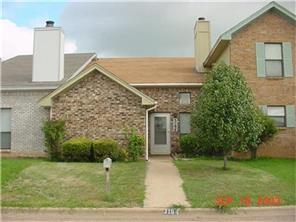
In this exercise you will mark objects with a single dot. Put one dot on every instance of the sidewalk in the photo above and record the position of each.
(163, 184)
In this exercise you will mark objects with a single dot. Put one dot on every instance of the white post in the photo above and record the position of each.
(107, 165)
(147, 131)
(107, 185)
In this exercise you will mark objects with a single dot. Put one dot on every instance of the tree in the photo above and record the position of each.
(269, 130)
(225, 117)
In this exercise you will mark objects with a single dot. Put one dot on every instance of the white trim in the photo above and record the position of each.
(147, 131)
(164, 84)
(28, 88)
(47, 100)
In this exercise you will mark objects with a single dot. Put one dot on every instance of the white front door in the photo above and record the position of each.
(160, 139)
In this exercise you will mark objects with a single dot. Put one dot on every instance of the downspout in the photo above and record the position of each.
(147, 130)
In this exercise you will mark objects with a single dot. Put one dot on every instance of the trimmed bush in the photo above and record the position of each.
(106, 148)
(77, 150)
(189, 145)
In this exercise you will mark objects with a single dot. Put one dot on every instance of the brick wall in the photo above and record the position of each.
(26, 121)
(168, 102)
(98, 107)
(268, 91)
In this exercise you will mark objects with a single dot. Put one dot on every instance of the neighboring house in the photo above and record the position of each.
(153, 95)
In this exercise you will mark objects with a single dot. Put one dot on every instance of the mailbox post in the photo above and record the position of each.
(107, 165)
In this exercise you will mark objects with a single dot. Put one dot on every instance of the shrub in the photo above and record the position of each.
(77, 149)
(135, 145)
(269, 130)
(54, 133)
(106, 148)
(189, 145)
(122, 155)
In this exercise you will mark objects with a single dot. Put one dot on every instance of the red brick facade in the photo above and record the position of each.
(272, 28)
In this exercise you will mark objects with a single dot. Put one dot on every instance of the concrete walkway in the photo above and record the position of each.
(163, 184)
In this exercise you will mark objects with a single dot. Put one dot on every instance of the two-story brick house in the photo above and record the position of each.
(156, 95)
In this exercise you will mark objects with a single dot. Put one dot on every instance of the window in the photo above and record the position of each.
(185, 119)
(273, 60)
(278, 114)
(184, 98)
(5, 128)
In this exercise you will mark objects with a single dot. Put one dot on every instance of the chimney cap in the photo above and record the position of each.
(201, 18)
(49, 23)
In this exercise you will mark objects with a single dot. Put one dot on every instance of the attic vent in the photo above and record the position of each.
(201, 18)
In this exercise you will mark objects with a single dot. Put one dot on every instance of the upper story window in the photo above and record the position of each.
(278, 114)
(184, 98)
(5, 128)
(273, 59)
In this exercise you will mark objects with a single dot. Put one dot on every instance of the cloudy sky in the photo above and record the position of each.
(121, 28)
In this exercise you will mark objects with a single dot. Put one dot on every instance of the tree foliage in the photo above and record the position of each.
(268, 132)
(225, 117)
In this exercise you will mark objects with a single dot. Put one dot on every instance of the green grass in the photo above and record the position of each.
(10, 168)
(40, 183)
(204, 180)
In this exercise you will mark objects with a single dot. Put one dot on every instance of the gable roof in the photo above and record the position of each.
(223, 40)
(47, 100)
(154, 71)
(17, 71)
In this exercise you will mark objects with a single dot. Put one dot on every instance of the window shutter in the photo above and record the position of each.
(260, 59)
(287, 59)
(263, 108)
(291, 119)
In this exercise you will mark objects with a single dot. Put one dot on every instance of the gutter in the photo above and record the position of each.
(147, 131)
(166, 84)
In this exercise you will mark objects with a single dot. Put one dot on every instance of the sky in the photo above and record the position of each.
(121, 28)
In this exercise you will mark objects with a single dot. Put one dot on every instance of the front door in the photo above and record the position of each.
(160, 142)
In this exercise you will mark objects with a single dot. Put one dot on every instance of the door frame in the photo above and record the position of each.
(164, 149)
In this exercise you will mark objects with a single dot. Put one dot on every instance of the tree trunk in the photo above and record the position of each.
(225, 161)
(253, 154)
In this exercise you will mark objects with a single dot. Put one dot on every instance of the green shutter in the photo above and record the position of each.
(263, 108)
(287, 59)
(291, 116)
(260, 59)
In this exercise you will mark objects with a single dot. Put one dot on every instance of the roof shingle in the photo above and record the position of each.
(17, 71)
(153, 70)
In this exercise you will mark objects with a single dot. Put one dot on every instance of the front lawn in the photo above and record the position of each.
(40, 183)
(205, 181)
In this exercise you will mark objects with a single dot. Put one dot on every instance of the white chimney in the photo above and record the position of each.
(202, 42)
(48, 53)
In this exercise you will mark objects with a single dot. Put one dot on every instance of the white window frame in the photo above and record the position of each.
(276, 59)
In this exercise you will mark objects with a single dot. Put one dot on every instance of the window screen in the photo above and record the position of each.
(273, 60)
(5, 128)
(184, 98)
(278, 114)
(185, 119)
